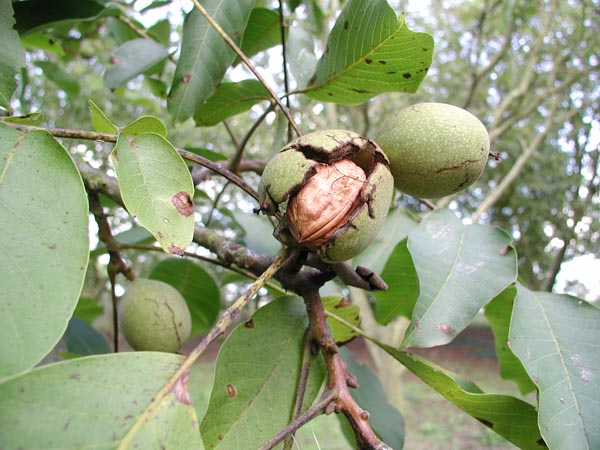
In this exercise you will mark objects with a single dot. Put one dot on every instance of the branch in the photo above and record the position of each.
(104, 137)
(339, 379)
(116, 264)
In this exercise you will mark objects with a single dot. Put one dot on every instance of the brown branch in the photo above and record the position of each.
(338, 377)
(116, 263)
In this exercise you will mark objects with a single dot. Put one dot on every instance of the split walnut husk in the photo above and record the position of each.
(332, 188)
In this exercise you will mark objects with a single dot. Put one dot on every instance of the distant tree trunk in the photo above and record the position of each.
(555, 269)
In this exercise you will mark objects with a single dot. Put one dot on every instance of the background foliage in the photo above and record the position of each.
(110, 108)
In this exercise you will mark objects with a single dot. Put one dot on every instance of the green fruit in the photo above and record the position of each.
(154, 316)
(332, 190)
(434, 149)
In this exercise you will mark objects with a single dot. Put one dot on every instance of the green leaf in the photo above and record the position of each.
(93, 402)
(157, 87)
(556, 337)
(101, 123)
(88, 309)
(161, 32)
(346, 310)
(82, 339)
(403, 286)
(205, 57)
(12, 53)
(120, 32)
(42, 40)
(27, 119)
(370, 51)
(145, 124)
(228, 100)
(211, 155)
(387, 422)
(43, 245)
(398, 224)
(33, 15)
(257, 371)
(155, 4)
(510, 417)
(199, 289)
(58, 76)
(460, 268)
(157, 188)
(132, 59)
(498, 313)
(262, 32)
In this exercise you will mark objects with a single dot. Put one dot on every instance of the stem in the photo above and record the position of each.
(222, 325)
(307, 358)
(248, 63)
(235, 179)
(234, 164)
(286, 83)
(314, 411)
(339, 379)
(104, 137)
(116, 264)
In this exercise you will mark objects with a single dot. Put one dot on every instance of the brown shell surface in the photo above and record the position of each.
(325, 203)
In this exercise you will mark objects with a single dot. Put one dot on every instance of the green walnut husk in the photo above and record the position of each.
(434, 149)
(154, 316)
(332, 190)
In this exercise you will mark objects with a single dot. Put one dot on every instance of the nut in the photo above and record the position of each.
(154, 316)
(434, 149)
(333, 189)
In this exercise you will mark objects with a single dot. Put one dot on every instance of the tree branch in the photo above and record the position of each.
(338, 378)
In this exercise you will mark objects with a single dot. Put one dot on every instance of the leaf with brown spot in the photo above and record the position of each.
(149, 170)
(347, 74)
(115, 388)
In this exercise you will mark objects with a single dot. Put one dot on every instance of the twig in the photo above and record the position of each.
(307, 358)
(248, 64)
(104, 137)
(116, 264)
(234, 163)
(286, 83)
(222, 325)
(314, 411)
(225, 173)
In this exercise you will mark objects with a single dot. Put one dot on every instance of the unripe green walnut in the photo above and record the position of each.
(334, 189)
(154, 316)
(434, 149)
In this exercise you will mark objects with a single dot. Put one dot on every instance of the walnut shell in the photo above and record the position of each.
(333, 189)
(434, 149)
